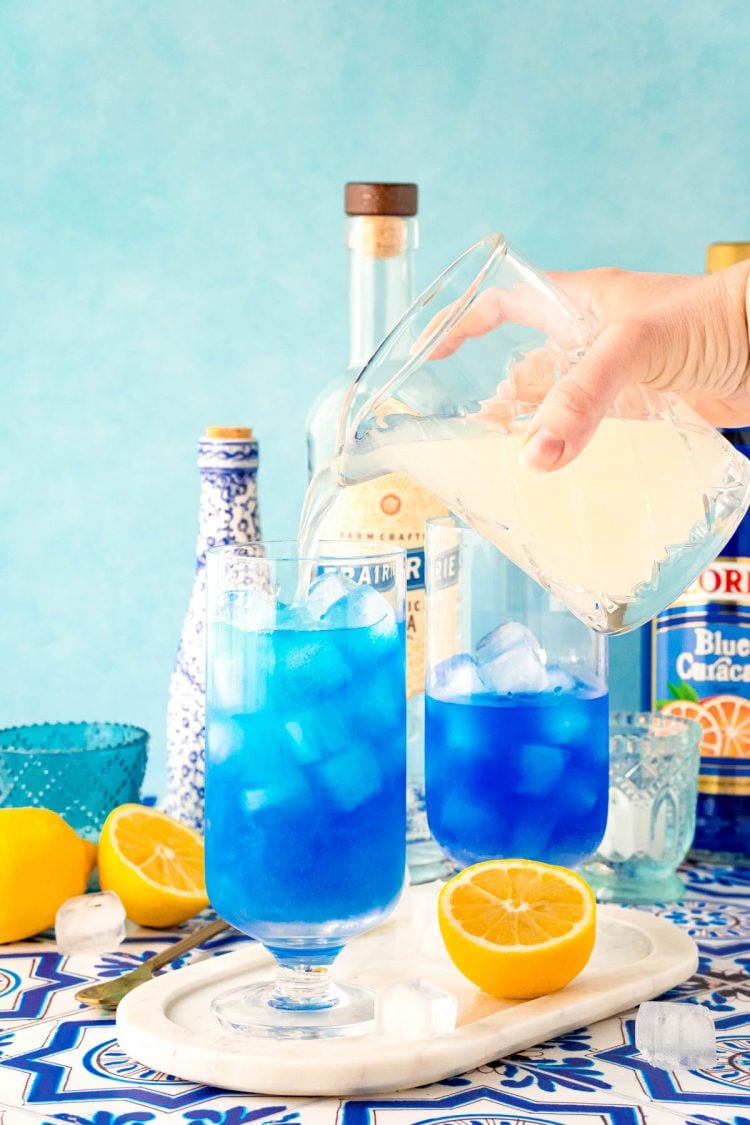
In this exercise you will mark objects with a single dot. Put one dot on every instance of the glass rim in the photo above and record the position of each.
(452, 521)
(623, 722)
(131, 737)
(373, 555)
(498, 248)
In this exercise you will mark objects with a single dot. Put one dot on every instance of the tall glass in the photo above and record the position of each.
(305, 770)
(516, 735)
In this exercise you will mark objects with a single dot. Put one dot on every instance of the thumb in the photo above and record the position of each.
(625, 352)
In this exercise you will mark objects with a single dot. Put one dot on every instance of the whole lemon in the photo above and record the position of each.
(42, 863)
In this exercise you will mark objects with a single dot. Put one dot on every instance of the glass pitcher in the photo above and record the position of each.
(617, 534)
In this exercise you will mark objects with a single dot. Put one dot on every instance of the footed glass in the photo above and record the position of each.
(516, 710)
(305, 770)
(449, 398)
(653, 793)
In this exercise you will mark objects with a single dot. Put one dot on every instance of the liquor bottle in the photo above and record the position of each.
(228, 467)
(381, 233)
(700, 668)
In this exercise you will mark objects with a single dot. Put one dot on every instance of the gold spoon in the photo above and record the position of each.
(109, 994)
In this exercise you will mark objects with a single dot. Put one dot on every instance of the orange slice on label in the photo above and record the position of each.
(712, 740)
(732, 715)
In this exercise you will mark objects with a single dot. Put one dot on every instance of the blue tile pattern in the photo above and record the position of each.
(60, 1062)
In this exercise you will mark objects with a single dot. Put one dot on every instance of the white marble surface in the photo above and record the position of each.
(167, 1024)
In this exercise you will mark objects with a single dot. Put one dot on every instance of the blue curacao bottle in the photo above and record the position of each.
(697, 664)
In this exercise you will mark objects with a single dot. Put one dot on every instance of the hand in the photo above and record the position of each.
(673, 333)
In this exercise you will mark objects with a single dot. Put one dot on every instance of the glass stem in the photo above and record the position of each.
(304, 987)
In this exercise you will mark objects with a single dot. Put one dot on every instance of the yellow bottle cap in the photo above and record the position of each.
(722, 254)
(229, 433)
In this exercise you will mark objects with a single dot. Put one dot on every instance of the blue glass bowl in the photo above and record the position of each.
(80, 770)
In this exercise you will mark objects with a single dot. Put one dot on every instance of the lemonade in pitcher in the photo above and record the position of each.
(617, 534)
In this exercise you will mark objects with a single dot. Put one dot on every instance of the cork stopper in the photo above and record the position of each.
(381, 199)
(229, 433)
(722, 254)
(378, 236)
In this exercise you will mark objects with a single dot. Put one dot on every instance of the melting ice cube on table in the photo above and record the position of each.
(90, 923)
(457, 676)
(414, 1009)
(670, 1035)
(510, 659)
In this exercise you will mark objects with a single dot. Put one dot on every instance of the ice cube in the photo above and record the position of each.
(326, 590)
(381, 704)
(456, 677)
(251, 609)
(223, 738)
(670, 1035)
(579, 794)
(316, 733)
(628, 827)
(414, 1009)
(90, 923)
(558, 680)
(239, 669)
(295, 616)
(508, 637)
(361, 607)
(537, 768)
(350, 778)
(570, 722)
(240, 684)
(308, 667)
(291, 791)
(510, 660)
(518, 670)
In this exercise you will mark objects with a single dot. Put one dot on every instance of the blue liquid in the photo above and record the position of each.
(305, 783)
(523, 776)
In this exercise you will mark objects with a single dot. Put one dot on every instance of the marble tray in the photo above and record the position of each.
(167, 1025)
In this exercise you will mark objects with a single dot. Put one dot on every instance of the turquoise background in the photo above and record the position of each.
(171, 255)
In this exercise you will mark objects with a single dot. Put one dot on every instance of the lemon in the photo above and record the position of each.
(517, 928)
(155, 865)
(42, 863)
(90, 851)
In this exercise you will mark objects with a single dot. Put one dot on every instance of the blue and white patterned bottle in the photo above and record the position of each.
(228, 465)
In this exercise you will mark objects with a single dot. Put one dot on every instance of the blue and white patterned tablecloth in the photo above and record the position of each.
(60, 1061)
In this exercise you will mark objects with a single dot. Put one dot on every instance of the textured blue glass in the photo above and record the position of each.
(80, 770)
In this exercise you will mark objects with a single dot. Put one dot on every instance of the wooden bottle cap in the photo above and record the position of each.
(380, 199)
(229, 433)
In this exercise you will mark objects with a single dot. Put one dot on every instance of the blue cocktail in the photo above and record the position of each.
(518, 775)
(305, 781)
(516, 731)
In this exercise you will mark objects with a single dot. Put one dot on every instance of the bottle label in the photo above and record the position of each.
(393, 509)
(701, 669)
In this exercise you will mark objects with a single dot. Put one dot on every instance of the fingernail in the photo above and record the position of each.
(541, 450)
